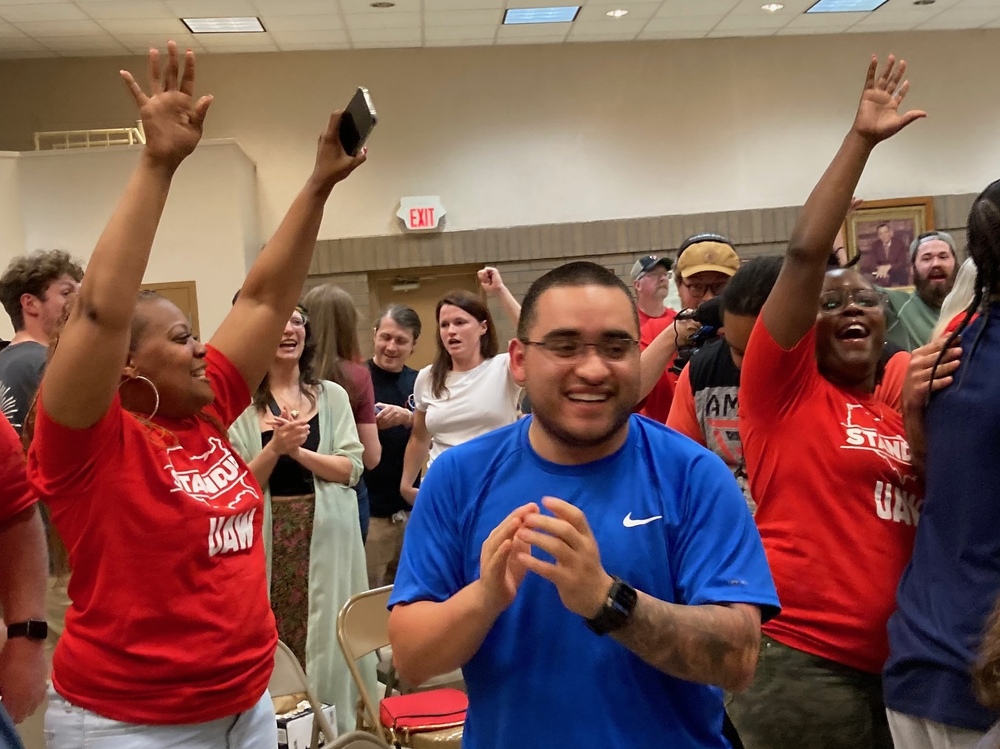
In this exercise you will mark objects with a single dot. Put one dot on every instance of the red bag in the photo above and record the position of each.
(434, 710)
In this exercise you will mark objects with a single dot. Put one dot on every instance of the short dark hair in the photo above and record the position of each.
(750, 286)
(32, 274)
(577, 273)
(405, 317)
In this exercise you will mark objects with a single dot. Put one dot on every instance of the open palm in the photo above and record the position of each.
(878, 115)
(171, 118)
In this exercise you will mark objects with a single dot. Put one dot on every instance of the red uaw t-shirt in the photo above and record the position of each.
(837, 498)
(15, 495)
(170, 620)
(656, 405)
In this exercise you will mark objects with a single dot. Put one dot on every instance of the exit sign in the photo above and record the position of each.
(422, 213)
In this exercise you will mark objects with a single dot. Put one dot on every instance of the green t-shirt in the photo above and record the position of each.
(909, 321)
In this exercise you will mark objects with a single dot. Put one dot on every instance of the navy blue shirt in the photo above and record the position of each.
(668, 518)
(953, 580)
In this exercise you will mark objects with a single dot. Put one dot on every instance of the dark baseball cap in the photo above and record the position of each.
(646, 263)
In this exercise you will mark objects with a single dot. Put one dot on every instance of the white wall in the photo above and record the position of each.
(525, 135)
(66, 197)
(11, 226)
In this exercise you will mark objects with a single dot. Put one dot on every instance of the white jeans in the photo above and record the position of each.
(909, 732)
(70, 727)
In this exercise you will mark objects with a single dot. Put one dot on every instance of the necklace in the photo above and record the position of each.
(293, 412)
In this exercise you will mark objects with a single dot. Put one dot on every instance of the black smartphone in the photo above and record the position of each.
(357, 122)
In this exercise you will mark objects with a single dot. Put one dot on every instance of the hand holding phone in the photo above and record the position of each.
(357, 122)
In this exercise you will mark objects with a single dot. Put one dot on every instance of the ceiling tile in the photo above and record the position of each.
(961, 18)
(762, 22)
(11, 55)
(24, 44)
(312, 47)
(365, 6)
(463, 18)
(683, 25)
(599, 11)
(379, 21)
(83, 43)
(830, 23)
(444, 33)
(211, 8)
(159, 28)
(478, 42)
(303, 23)
(59, 28)
(143, 42)
(740, 32)
(617, 37)
(681, 8)
(432, 6)
(648, 35)
(621, 28)
(45, 12)
(753, 8)
(532, 40)
(6, 30)
(297, 8)
(533, 31)
(324, 37)
(407, 35)
(103, 9)
(226, 46)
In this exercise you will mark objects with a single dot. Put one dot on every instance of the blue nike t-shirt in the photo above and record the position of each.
(669, 519)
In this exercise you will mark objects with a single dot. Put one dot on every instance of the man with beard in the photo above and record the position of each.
(913, 315)
(530, 544)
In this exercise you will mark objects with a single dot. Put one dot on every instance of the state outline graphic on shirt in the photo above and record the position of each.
(215, 481)
(894, 450)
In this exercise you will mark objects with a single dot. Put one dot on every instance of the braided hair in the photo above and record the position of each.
(983, 245)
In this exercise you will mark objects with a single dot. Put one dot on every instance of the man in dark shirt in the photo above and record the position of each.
(34, 290)
(396, 334)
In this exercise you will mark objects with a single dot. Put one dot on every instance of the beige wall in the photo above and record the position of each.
(11, 226)
(550, 134)
(64, 199)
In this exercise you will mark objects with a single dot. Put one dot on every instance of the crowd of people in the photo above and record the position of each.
(765, 520)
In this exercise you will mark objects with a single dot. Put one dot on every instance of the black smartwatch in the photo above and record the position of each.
(617, 608)
(33, 629)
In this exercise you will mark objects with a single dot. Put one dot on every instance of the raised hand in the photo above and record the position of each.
(489, 279)
(878, 115)
(333, 163)
(171, 118)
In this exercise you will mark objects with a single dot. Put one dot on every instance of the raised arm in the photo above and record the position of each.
(252, 329)
(492, 283)
(86, 367)
(790, 310)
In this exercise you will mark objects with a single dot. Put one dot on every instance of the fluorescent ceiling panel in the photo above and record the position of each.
(846, 6)
(520, 16)
(223, 25)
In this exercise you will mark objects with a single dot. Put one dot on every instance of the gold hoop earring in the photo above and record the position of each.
(156, 393)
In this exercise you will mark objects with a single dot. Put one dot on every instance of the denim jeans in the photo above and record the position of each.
(70, 727)
(8, 736)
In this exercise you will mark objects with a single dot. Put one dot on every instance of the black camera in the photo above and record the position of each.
(709, 314)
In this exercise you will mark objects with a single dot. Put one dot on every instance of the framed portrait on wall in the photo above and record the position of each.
(880, 231)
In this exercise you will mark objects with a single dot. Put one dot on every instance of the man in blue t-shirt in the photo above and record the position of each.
(597, 576)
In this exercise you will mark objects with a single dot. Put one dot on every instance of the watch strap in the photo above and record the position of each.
(617, 608)
(32, 629)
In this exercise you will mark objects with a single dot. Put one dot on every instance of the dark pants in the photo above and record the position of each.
(364, 508)
(802, 700)
(8, 736)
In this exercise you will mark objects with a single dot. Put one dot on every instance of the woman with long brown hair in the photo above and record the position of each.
(469, 389)
(334, 321)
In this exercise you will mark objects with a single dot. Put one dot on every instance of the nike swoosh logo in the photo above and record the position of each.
(628, 522)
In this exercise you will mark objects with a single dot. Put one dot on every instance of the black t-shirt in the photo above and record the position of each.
(21, 368)
(394, 388)
(289, 478)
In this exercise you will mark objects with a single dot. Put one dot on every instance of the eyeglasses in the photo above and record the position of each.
(609, 349)
(298, 321)
(698, 290)
(838, 299)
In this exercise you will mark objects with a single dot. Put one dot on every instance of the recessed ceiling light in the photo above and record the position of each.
(617, 13)
(846, 6)
(224, 25)
(383, 4)
(772, 7)
(561, 14)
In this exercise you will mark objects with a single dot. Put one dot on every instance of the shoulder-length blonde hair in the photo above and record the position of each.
(333, 321)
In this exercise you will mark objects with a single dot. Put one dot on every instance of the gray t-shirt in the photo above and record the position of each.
(21, 367)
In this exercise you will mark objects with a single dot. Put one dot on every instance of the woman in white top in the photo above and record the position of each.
(469, 389)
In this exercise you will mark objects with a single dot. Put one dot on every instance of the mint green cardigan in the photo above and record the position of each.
(336, 553)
